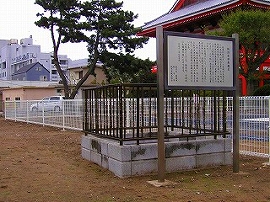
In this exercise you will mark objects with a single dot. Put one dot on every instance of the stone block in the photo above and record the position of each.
(228, 158)
(95, 145)
(120, 153)
(85, 142)
(144, 167)
(210, 146)
(95, 157)
(173, 149)
(104, 148)
(105, 161)
(174, 164)
(228, 145)
(86, 154)
(142, 152)
(120, 169)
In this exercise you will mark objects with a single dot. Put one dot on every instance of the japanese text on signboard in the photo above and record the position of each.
(199, 62)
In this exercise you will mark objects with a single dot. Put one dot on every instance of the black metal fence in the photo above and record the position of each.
(128, 113)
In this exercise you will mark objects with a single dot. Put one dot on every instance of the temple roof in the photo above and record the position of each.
(182, 13)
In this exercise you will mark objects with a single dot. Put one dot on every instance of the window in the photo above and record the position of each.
(4, 65)
(43, 78)
(54, 71)
(7, 98)
(17, 98)
(80, 74)
(55, 98)
(63, 62)
(38, 69)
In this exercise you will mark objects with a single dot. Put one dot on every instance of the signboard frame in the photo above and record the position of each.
(183, 37)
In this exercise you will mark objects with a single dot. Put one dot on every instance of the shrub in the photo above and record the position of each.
(262, 91)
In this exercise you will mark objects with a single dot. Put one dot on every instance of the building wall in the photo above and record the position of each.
(15, 55)
(30, 93)
(19, 77)
(78, 72)
(40, 74)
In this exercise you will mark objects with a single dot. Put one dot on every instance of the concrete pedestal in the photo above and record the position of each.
(132, 160)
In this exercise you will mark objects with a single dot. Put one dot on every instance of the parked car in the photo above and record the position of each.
(53, 103)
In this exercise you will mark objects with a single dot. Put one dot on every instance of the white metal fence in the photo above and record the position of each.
(254, 119)
(253, 125)
(67, 114)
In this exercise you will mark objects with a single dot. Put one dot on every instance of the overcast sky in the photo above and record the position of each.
(17, 19)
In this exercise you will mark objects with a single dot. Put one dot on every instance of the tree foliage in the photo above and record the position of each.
(125, 68)
(254, 37)
(262, 91)
(101, 23)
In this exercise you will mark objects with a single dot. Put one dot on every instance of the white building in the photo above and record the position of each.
(14, 55)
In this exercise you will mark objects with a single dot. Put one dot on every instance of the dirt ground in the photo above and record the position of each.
(44, 164)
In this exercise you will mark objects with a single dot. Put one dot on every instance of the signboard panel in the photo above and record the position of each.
(198, 61)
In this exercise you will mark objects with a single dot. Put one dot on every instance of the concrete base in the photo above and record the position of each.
(132, 160)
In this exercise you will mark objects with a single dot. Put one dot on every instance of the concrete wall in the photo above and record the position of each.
(132, 160)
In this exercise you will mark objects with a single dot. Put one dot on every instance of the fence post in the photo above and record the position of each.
(5, 109)
(15, 110)
(63, 113)
(160, 85)
(43, 113)
(27, 111)
(268, 163)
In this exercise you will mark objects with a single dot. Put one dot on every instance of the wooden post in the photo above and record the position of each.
(160, 99)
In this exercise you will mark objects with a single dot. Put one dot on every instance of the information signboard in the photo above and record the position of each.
(195, 61)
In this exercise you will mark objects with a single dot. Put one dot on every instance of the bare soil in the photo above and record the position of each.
(44, 164)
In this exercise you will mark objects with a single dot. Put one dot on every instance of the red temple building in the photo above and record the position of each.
(196, 16)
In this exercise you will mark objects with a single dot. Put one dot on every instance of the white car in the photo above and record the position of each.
(53, 103)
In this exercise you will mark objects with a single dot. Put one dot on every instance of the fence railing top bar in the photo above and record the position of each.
(142, 85)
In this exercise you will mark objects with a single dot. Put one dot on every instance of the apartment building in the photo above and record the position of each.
(16, 54)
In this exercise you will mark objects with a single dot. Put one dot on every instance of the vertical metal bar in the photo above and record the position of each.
(236, 107)
(142, 109)
(121, 118)
(182, 111)
(137, 115)
(63, 103)
(190, 117)
(124, 109)
(85, 122)
(96, 111)
(224, 114)
(150, 110)
(215, 113)
(160, 82)
(204, 111)
(172, 111)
